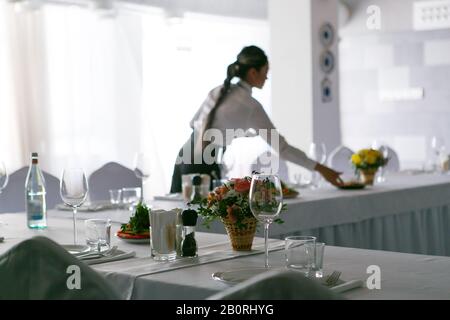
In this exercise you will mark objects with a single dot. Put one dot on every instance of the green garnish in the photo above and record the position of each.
(139, 222)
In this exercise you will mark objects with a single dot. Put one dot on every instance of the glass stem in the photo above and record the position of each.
(142, 190)
(74, 226)
(266, 245)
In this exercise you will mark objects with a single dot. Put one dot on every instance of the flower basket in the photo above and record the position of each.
(229, 202)
(368, 175)
(241, 238)
(367, 162)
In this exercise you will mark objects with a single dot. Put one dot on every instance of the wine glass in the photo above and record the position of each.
(3, 178)
(266, 201)
(73, 190)
(318, 153)
(142, 168)
(384, 150)
(437, 145)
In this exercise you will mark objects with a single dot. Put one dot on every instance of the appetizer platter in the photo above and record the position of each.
(137, 230)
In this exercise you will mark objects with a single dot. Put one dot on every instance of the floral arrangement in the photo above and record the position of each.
(229, 201)
(368, 159)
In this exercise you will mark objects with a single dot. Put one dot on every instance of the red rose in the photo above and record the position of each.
(242, 185)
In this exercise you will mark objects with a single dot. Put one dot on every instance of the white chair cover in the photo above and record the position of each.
(111, 176)
(340, 160)
(12, 199)
(37, 268)
(277, 285)
(393, 164)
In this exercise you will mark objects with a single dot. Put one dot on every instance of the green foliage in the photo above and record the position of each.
(140, 221)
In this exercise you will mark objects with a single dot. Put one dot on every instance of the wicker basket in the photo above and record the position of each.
(241, 239)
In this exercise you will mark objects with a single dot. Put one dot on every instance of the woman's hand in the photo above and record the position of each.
(330, 175)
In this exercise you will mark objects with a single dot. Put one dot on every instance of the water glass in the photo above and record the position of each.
(299, 252)
(115, 196)
(163, 235)
(317, 268)
(131, 197)
(98, 234)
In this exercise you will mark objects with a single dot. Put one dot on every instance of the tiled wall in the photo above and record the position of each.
(389, 61)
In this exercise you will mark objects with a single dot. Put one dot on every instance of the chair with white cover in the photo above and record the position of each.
(393, 164)
(39, 268)
(277, 285)
(111, 176)
(12, 199)
(340, 160)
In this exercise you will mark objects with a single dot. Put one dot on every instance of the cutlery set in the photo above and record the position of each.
(97, 254)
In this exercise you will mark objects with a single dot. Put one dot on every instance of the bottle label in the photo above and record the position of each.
(36, 207)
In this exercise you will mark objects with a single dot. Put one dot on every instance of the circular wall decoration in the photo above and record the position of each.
(327, 61)
(326, 89)
(326, 34)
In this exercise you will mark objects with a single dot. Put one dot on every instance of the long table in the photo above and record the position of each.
(403, 276)
(409, 213)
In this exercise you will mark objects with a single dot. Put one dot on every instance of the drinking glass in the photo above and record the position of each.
(384, 149)
(131, 197)
(300, 251)
(98, 233)
(266, 201)
(437, 144)
(3, 176)
(318, 153)
(115, 196)
(73, 190)
(142, 168)
(3, 179)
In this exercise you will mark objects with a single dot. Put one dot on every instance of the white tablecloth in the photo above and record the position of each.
(403, 276)
(408, 213)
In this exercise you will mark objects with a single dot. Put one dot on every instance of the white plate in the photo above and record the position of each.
(238, 275)
(76, 249)
(134, 241)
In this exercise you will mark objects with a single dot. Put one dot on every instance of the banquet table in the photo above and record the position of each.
(408, 213)
(403, 276)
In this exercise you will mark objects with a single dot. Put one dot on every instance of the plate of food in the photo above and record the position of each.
(137, 230)
(288, 192)
(352, 185)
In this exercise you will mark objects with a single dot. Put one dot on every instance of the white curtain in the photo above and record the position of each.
(22, 84)
(81, 89)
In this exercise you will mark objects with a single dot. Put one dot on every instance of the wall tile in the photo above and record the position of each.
(437, 52)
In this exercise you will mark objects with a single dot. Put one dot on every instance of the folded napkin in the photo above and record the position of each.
(90, 207)
(117, 255)
(349, 285)
(170, 197)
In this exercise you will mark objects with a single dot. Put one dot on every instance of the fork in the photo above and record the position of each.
(94, 254)
(333, 278)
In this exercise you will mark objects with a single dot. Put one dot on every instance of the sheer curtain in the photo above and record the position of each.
(22, 84)
(85, 90)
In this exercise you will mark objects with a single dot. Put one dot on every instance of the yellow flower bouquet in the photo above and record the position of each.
(367, 162)
(368, 159)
